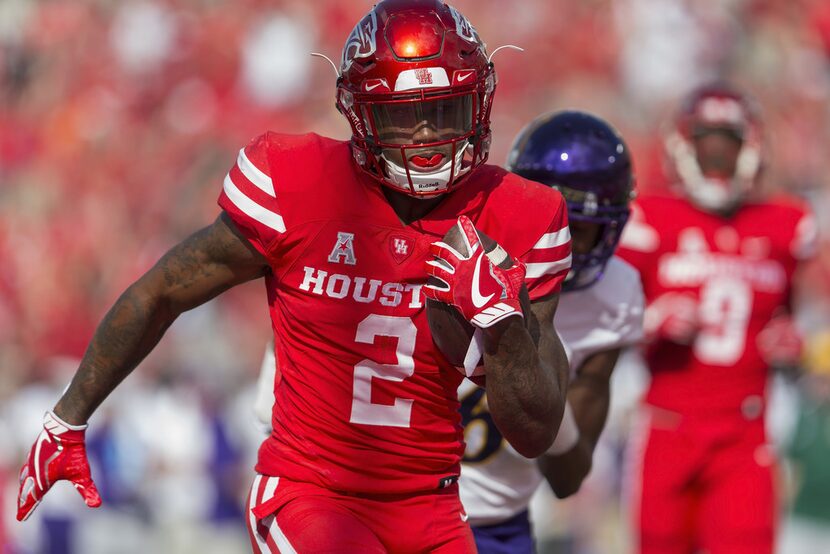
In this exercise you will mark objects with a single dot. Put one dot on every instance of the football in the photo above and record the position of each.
(457, 339)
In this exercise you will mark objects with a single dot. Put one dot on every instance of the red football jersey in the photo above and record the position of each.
(740, 271)
(365, 402)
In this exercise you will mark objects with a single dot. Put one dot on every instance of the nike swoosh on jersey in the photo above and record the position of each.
(478, 299)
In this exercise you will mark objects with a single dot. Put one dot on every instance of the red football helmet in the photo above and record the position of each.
(416, 86)
(716, 108)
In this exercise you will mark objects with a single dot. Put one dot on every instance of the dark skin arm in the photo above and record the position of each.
(527, 372)
(201, 267)
(526, 380)
(589, 395)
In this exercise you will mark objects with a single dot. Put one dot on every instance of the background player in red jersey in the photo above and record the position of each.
(717, 267)
(366, 440)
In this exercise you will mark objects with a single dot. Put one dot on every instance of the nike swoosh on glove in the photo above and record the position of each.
(58, 453)
(483, 292)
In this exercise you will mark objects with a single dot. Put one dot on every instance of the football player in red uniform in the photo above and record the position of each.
(717, 265)
(366, 443)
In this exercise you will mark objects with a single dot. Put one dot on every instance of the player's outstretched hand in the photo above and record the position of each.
(474, 283)
(673, 316)
(58, 453)
(780, 342)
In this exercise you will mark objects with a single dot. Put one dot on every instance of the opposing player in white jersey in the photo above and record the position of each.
(600, 312)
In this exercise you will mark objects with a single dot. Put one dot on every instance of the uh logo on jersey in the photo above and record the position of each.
(363, 289)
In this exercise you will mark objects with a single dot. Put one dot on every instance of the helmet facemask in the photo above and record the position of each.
(705, 182)
(422, 143)
(587, 267)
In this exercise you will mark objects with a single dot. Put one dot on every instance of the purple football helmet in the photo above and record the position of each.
(585, 159)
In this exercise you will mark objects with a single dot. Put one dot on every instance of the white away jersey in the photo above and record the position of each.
(496, 481)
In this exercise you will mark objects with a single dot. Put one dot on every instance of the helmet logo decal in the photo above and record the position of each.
(362, 43)
(379, 85)
(460, 76)
(463, 27)
(424, 76)
(722, 110)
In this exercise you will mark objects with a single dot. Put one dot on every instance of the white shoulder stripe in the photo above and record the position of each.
(251, 208)
(552, 240)
(254, 174)
(270, 488)
(280, 539)
(262, 544)
(534, 271)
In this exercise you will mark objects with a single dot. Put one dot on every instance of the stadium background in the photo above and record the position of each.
(118, 121)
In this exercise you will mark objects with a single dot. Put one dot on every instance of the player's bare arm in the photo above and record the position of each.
(191, 273)
(204, 265)
(527, 379)
(589, 395)
(526, 388)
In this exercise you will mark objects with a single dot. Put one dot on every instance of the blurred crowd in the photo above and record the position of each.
(119, 120)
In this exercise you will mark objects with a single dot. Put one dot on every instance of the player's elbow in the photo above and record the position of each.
(532, 442)
(149, 298)
(566, 472)
(570, 485)
(567, 488)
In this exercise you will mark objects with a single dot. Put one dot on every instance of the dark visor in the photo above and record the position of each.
(426, 121)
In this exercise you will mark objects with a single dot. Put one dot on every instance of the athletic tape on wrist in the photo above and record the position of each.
(568, 434)
(69, 426)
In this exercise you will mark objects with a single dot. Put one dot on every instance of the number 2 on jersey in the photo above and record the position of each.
(364, 411)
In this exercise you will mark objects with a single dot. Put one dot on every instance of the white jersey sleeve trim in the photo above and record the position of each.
(536, 270)
(552, 240)
(254, 174)
(251, 208)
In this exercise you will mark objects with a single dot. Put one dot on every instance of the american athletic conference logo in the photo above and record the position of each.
(343, 251)
(362, 43)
